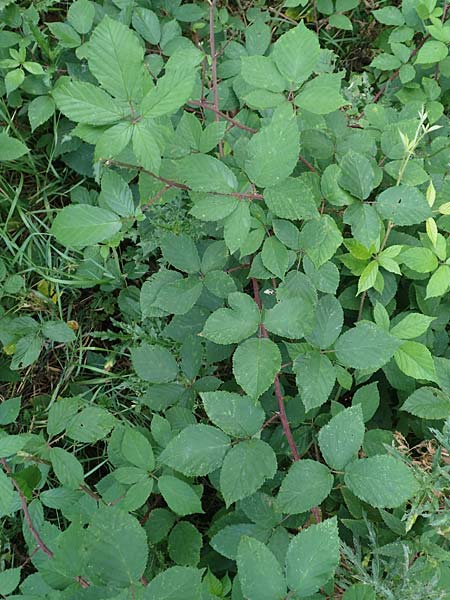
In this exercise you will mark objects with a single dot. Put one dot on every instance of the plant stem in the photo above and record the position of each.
(34, 532)
(215, 88)
(279, 396)
(204, 104)
(181, 186)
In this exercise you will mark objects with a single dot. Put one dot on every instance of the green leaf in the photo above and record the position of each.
(357, 175)
(116, 59)
(365, 223)
(90, 425)
(315, 378)
(321, 95)
(386, 62)
(255, 364)
(214, 208)
(234, 324)
(67, 468)
(113, 140)
(83, 102)
(219, 283)
(81, 225)
(11, 444)
(415, 360)
(306, 485)
(412, 326)
(6, 494)
(292, 199)
(245, 468)
(403, 205)
(58, 331)
(368, 277)
(178, 297)
(421, 260)
(272, 153)
(10, 148)
(154, 363)
(204, 173)
(296, 54)
(329, 319)
(275, 257)
(40, 110)
(173, 90)
(180, 251)
(382, 481)
(159, 525)
(117, 548)
(366, 346)
(185, 544)
(179, 495)
(342, 437)
(67, 36)
(320, 239)
(431, 52)
(261, 72)
(176, 583)
(340, 22)
(236, 415)
(439, 282)
(147, 24)
(9, 410)
(389, 15)
(259, 571)
(292, 318)
(145, 146)
(137, 450)
(428, 403)
(312, 558)
(368, 397)
(14, 79)
(81, 15)
(9, 580)
(237, 226)
(196, 450)
(116, 195)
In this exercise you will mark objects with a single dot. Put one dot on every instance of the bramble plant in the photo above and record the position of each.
(225, 273)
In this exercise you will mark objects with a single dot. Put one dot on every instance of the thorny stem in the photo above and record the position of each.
(396, 73)
(176, 184)
(206, 105)
(282, 411)
(279, 396)
(34, 532)
(212, 45)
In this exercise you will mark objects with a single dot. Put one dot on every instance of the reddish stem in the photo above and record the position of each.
(279, 396)
(26, 513)
(215, 88)
(34, 532)
(219, 113)
(396, 73)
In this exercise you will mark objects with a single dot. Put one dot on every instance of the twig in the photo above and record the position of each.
(204, 104)
(279, 396)
(215, 87)
(176, 184)
(34, 532)
(281, 409)
(396, 73)
(307, 163)
(26, 513)
(156, 197)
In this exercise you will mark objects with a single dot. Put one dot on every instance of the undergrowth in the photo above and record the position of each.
(224, 308)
